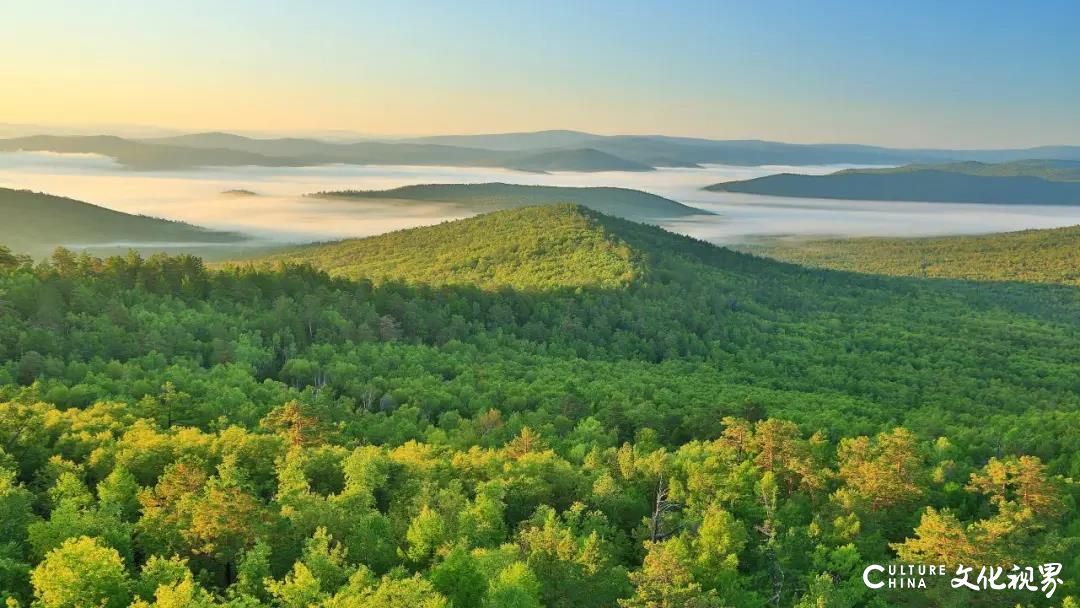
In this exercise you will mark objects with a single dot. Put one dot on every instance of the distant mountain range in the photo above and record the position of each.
(482, 198)
(538, 151)
(145, 156)
(1030, 182)
(36, 223)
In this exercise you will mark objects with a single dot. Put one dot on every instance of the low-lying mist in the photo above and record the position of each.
(279, 211)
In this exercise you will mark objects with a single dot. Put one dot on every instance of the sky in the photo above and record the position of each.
(989, 73)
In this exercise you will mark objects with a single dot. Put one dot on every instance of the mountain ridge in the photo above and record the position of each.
(35, 223)
(489, 196)
(1018, 183)
(500, 150)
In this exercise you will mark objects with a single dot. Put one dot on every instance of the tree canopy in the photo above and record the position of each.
(711, 429)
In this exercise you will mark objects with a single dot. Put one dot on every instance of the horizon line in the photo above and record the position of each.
(346, 134)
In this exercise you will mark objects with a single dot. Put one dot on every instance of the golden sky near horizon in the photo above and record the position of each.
(861, 73)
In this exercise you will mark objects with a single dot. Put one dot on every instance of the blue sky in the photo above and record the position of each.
(909, 73)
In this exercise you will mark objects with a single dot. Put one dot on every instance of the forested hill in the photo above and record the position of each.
(35, 223)
(533, 248)
(1037, 256)
(711, 429)
(481, 198)
(552, 246)
(1053, 170)
(1020, 183)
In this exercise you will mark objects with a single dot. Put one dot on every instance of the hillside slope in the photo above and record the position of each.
(35, 223)
(1035, 256)
(481, 198)
(534, 247)
(1024, 183)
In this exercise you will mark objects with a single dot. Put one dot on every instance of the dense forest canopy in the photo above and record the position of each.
(1036, 256)
(557, 246)
(660, 423)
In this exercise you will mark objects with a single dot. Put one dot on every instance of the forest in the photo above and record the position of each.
(539, 407)
(1046, 255)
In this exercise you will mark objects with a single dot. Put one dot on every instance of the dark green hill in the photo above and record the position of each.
(1036, 256)
(1052, 170)
(1019, 183)
(35, 223)
(480, 198)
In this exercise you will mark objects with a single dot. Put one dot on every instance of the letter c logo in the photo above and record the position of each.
(866, 576)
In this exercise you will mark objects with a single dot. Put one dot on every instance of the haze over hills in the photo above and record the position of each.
(584, 159)
(480, 198)
(663, 150)
(35, 223)
(409, 153)
(1030, 182)
(535, 140)
(145, 156)
(540, 151)
(223, 149)
(1035, 256)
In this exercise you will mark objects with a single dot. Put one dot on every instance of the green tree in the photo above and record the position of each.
(16, 508)
(665, 580)
(81, 573)
(458, 577)
(886, 472)
(426, 534)
(514, 587)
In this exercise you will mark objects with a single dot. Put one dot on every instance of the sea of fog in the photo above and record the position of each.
(280, 211)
